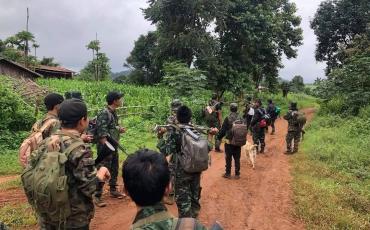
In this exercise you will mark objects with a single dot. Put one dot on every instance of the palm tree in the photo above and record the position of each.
(35, 45)
(25, 36)
(94, 46)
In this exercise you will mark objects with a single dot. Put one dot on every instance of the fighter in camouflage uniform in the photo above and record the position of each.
(80, 169)
(147, 178)
(52, 102)
(107, 125)
(294, 129)
(187, 185)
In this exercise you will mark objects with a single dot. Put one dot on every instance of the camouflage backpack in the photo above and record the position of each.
(301, 119)
(194, 150)
(45, 180)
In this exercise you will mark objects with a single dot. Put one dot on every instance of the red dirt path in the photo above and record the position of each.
(260, 199)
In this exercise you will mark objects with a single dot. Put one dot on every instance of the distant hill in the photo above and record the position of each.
(119, 74)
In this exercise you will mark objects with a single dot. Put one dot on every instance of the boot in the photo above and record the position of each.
(262, 149)
(98, 201)
(227, 176)
(116, 194)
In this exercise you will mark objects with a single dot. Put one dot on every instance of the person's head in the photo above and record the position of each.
(183, 114)
(249, 99)
(269, 101)
(175, 105)
(52, 101)
(73, 115)
(233, 107)
(293, 106)
(214, 96)
(73, 94)
(257, 103)
(146, 177)
(114, 99)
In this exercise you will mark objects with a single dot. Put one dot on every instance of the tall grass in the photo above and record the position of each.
(332, 175)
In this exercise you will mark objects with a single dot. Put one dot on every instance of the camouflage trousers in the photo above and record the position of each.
(187, 193)
(293, 136)
(112, 163)
(258, 135)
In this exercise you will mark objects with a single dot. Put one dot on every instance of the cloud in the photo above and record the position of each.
(305, 64)
(63, 28)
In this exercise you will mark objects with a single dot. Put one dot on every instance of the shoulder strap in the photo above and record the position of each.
(160, 216)
(47, 123)
(185, 224)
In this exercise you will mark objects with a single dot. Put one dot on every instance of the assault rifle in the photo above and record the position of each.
(200, 129)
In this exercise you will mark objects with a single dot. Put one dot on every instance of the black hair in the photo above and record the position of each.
(183, 114)
(52, 99)
(112, 96)
(146, 176)
(71, 124)
(233, 109)
(269, 101)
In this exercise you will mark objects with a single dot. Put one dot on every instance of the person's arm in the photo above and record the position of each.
(224, 128)
(102, 123)
(83, 170)
(256, 117)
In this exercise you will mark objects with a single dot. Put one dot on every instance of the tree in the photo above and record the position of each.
(182, 80)
(95, 47)
(297, 84)
(102, 62)
(144, 60)
(35, 46)
(336, 23)
(253, 36)
(25, 37)
(48, 61)
(285, 88)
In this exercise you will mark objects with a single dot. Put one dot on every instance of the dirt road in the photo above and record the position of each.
(260, 199)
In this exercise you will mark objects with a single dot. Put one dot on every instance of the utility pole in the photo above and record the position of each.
(97, 57)
(26, 46)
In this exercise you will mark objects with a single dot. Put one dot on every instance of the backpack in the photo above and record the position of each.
(33, 140)
(239, 133)
(194, 150)
(45, 181)
(277, 110)
(265, 119)
(301, 119)
(92, 128)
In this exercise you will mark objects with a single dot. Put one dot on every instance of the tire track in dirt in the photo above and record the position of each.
(260, 199)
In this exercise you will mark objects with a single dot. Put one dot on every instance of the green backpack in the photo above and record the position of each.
(45, 181)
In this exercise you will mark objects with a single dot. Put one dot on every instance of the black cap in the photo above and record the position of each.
(52, 100)
(73, 94)
(111, 96)
(72, 110)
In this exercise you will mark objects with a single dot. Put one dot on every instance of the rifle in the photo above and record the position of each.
(201, 129)
(111, 145)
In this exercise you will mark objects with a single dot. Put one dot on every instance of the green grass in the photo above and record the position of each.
(17, 216)
(332, 174)
(9, 163)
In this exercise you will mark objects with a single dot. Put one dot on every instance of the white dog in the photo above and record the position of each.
(251, 150)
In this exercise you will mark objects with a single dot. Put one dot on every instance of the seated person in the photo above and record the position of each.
(146, 180)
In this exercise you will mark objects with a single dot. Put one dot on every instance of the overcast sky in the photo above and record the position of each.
(63, 28)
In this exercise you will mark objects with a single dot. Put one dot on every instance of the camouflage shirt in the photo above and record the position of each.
(170, 144)
(161, 219)
(81, 174)
(51, 129)
(291, 117)
(107, 124)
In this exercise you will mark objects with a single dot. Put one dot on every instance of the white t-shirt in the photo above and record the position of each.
(251, 112)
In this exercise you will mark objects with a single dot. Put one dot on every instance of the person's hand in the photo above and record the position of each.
(103, 140)
(122, 130)
(213, 131)
(87, 138)
(103, 174)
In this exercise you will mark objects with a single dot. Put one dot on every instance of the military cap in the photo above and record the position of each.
(233, 106)
(113, 95)
(175, 104)
(72, 110)
(53, 99)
